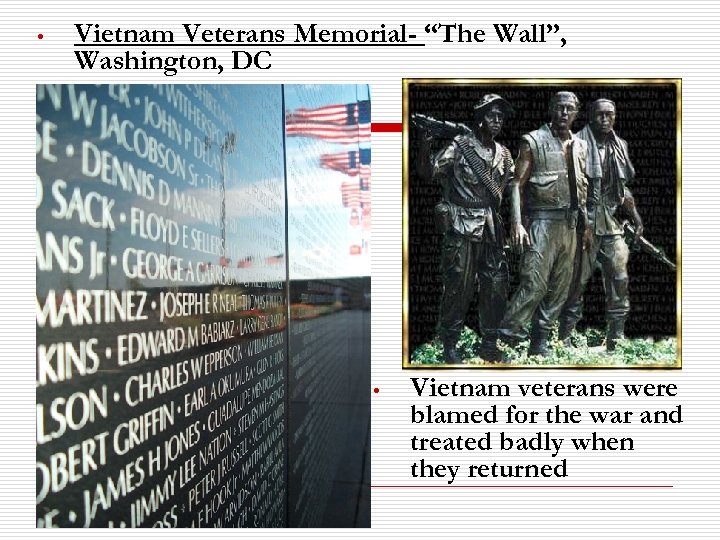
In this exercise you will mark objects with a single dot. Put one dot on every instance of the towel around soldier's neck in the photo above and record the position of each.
(618, 168)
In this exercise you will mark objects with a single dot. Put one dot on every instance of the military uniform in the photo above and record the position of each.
(555, 210)
(472, 246)
(608, 170)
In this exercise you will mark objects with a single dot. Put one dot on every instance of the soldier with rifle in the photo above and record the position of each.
(609, 170)
(550, 175)
(640, 243)
(473, 171)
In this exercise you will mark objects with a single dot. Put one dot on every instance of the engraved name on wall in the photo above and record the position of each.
(161, 306)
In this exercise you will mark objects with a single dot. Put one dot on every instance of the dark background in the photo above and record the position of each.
(646, 119)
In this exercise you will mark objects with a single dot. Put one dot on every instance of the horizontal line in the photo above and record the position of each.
(386, 127)
(526, 487)
(246, 45)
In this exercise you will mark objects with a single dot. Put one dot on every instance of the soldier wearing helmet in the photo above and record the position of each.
(473, 171)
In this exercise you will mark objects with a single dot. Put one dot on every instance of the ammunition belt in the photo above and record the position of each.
(482, 172)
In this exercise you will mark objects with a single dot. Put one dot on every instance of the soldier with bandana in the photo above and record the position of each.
(609, 170)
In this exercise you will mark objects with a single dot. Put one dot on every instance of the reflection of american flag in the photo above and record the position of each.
(349, 113)
(354, 218)
(345, 124)
(354, 196)
(366, 221)
(350, 194)
(330, 132)
(357, 249)
(275, 259)
(351, 163)
(365, 198)
(247, 262)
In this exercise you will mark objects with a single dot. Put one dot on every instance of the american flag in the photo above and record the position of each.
(344, 124)
(366, 219)
(357, 249)
(349, 113)
(330, 132)
(275, 259)
(354, 196)
(365, 198)
(350, 194)
(247, 262)
(354, 218)
(351, 163)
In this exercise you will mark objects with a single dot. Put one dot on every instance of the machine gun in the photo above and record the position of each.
(449, 130)
(641, 244)
(440, 129)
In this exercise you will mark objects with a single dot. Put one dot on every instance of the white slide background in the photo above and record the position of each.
(607, 39)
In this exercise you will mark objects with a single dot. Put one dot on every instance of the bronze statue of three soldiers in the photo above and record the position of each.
(567, 186)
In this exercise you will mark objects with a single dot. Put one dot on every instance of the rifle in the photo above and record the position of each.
(449, 130)
(441, 129)
(640, 243)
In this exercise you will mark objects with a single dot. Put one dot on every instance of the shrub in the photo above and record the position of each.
(588, 350)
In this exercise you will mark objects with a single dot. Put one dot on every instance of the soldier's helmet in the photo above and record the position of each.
(492, 99)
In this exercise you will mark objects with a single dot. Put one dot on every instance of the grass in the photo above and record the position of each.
(588, 351)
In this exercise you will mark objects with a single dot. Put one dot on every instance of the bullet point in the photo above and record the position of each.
(40, 36)
(376, 390)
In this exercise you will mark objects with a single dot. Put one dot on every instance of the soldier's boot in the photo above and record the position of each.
(539, 343)
(450, 353)
(615, 331)
(618, 306)
(488, 348)
(504, 356)
(565, 331)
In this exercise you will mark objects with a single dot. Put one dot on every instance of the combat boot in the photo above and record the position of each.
(615, 331)
(450, 353)
(489, 350)
(538, 343)
(565, 331)
(504, 356)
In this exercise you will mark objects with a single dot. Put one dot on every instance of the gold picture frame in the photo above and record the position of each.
(470, 88)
